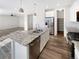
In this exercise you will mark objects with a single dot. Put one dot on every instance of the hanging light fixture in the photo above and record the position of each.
(21, 10)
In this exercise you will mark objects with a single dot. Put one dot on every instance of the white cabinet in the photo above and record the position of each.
(76, 53)
(20, 51)
(76, 50)
(44, 39)
(6, 49)
(10, 49)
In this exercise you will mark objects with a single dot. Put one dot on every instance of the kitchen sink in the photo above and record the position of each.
(37, 31)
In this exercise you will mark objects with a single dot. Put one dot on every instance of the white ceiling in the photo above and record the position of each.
(14, 4)
(58, 3)
(52, 3)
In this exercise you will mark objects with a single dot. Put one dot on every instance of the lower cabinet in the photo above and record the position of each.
(5, 51)
(76, 52)
(37, 45)
(10, 49)
(34, 49)
(20, 51)
(44, 39)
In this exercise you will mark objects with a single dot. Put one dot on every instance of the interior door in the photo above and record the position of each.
(30, 22)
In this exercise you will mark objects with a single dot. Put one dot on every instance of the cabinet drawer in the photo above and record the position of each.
(44, 39)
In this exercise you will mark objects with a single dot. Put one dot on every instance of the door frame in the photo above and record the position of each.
(63, 21)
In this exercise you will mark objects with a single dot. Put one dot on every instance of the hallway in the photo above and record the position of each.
(56, 48)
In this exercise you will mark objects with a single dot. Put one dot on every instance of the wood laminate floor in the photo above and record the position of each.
(56, 48)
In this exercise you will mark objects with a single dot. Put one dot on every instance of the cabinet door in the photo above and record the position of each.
(42, 42)
(20, 51)
(34, 49)
(5, 51)
(44, 39)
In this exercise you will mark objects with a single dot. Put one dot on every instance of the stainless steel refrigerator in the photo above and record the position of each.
(49, 22)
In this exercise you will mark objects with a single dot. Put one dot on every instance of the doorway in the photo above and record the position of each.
(49, 21)
(30, 22)
(60, 22)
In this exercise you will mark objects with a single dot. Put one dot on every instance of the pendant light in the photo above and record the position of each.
(21, 10)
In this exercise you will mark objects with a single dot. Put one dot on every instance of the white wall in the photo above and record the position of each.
(41, 16)
(21, 21)
(50, 14)
(21, 52)
(66, 18)
(55, 23)
(60, 14)
(7, 21)
(73, 9)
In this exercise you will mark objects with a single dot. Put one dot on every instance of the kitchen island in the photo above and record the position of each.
(25, 44)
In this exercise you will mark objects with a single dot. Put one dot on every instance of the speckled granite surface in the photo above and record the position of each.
(22, 37)
(8, 31)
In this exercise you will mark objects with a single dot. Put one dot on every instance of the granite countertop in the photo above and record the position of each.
(22, 37)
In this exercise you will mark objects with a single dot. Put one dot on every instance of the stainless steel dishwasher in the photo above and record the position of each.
(34, 48)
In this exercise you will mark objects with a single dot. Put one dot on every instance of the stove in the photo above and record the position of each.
(72, 36)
